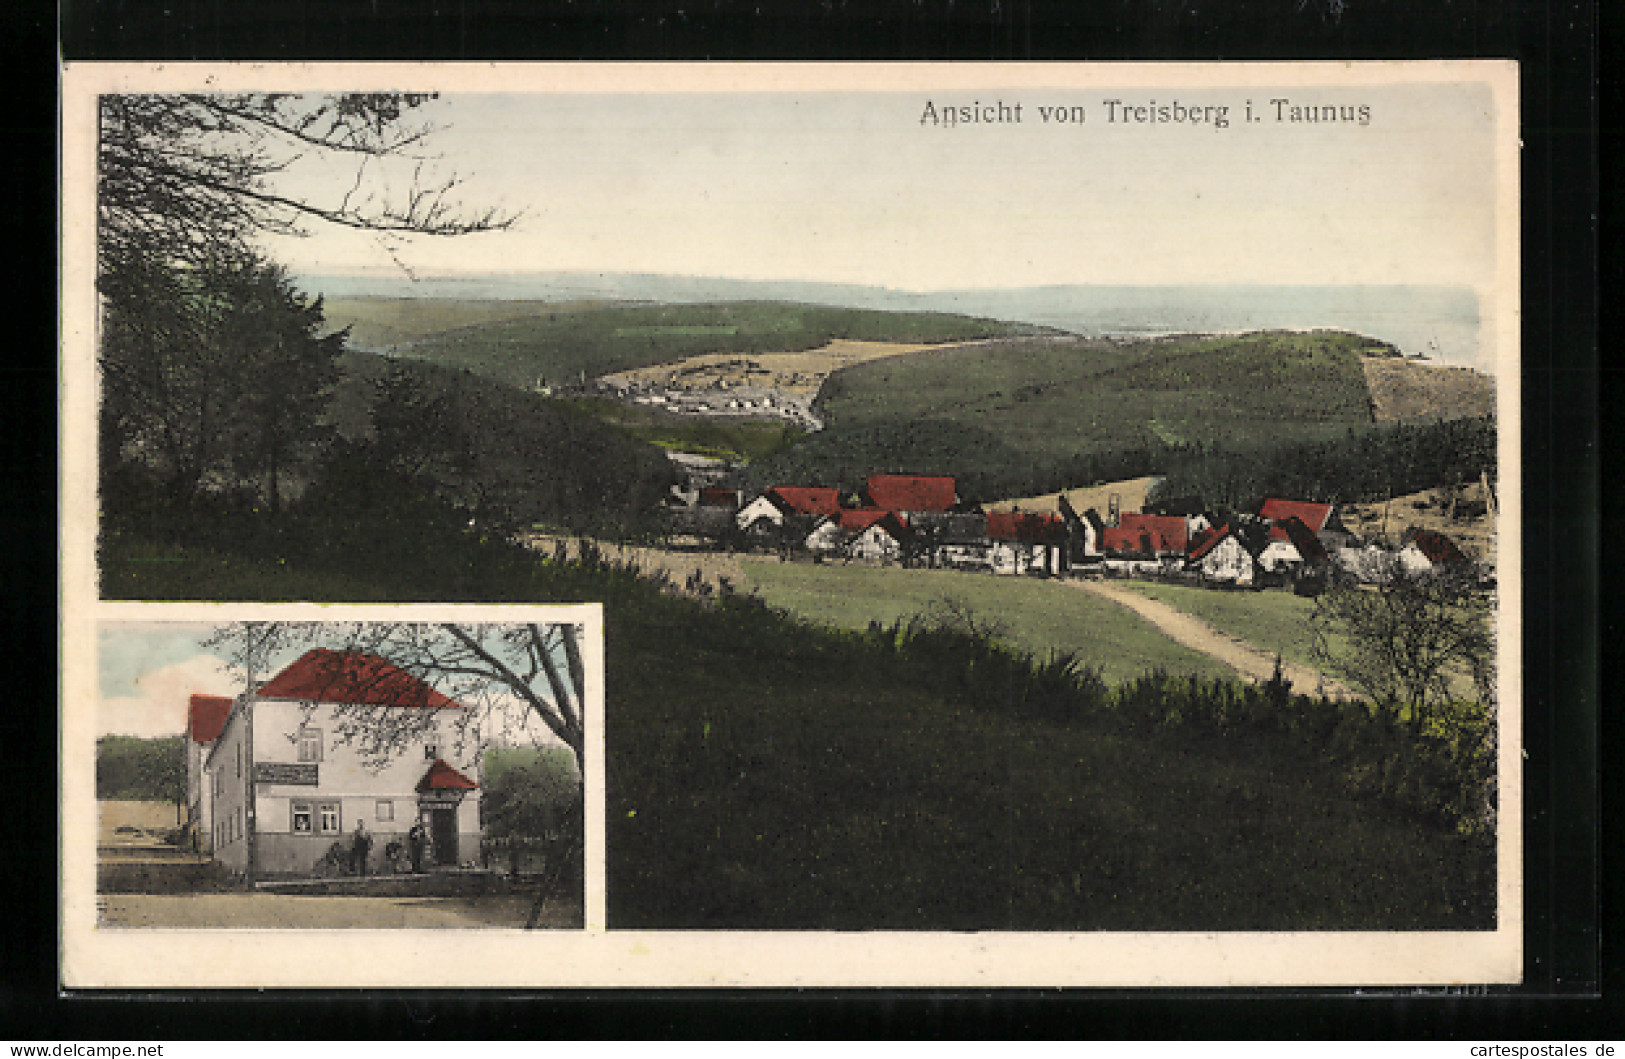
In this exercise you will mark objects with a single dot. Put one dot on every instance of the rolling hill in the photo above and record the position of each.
(1030, 416)
(534, 344)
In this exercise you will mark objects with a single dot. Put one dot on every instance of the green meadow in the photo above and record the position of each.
(1035, 616)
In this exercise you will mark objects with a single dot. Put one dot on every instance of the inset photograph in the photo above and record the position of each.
(286, 774)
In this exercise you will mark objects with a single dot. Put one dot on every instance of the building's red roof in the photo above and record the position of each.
(1031, 527)
(1313, 515)
(858, 519)
(1301, 537)
(712, 496)
(442, 777)
(808, 500)
(351, 678)
(906, 492)
(1436, 546)
(206, 718)
(1207, 540)
(1146, 534)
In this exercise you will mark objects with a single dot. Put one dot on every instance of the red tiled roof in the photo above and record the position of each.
(1301, 537)
(1209, 539)
(442, 777)
(1436, 546)
(1029, 526)
(206, 718)
(1310, 514)
(715, 497)
(1146, 534)
(808, 500)
(904, 492)
(351, 678)
(858, 519)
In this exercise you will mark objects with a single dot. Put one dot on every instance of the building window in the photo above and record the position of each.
(310, 744)
(386, 809)
(431, 750)
(239, 762)
(301, 818)
(328, 812)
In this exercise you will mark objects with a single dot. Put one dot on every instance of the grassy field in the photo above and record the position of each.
(1276, 622)
(778, 789)
(554, 347)
(1060, 397)
(1405, 389)
(1131, 496)
(1037, 617)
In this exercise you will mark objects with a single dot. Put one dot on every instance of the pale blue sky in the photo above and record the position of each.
(848, 186)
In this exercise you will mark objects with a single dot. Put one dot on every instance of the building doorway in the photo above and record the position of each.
(443, 833)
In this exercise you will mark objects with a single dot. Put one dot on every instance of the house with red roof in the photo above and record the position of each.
(787, 504)
(1291, 547)
(863, 533)
(907, 494)
(205, 717)
(1146, 536)
(334, 740)
(1426, 551)
(1028, 543)
(1219, 555)
(1321, 519)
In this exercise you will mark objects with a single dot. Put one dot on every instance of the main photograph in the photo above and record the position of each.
(1037, 507)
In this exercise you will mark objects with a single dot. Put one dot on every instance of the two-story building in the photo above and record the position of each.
(335, 739)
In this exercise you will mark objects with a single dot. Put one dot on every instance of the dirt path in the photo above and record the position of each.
(1198, 635)
(281, 911)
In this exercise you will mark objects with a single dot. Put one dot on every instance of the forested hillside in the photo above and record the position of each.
(1020, 418)
(146, 770)
(1389, 460)
(564, 347)
(506, 456)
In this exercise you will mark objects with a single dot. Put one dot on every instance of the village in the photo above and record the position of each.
(921, 522)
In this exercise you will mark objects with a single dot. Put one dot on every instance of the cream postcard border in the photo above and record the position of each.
(596, 957)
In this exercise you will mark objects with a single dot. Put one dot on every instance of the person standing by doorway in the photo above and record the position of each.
(360, 847)
(416, 839)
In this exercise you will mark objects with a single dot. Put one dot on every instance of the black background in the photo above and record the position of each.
(1571, 846)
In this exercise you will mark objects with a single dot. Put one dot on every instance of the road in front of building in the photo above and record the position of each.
(205, 911)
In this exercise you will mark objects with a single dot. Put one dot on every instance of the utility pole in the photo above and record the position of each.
(250, 791)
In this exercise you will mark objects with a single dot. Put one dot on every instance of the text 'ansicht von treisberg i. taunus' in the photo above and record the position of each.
(1279, 110)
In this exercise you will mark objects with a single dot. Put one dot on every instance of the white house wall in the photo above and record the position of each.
(198, 800)
(228, 767)
(1413, 561)
(760, 508)
(1019, 557)
(1280, 555)
(876, 544)
(1229, 562)
(385, 799)
(826, 539)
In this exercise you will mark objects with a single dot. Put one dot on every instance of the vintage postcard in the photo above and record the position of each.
(837, 525)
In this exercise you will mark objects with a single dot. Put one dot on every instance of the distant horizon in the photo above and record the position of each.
(1439, 321)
